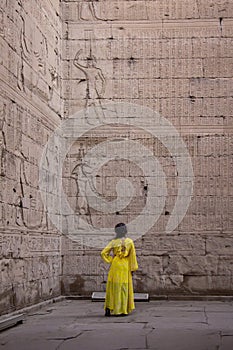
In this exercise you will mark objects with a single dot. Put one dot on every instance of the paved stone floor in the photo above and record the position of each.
(162, 325)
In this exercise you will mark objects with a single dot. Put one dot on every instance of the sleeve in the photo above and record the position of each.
(133, 264)
(105, 254)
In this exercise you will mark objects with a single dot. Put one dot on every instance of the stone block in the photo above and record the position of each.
(218, 106)
(135, 69)
(215, 145)
(192, 265)
(141, 30)
(218, 67)
(220, 245)
(227, 28)
(127, 88)
(191, 28)
(10, 246)
(83, 265)
(9, 214)
(183, 107)
(213, 166)
(225, 265)
(170, 10)
(6, 299)
(159, 88)
(151, 265)
(80, 31)
(4, 52)
(171, 244)
(202, 222)
(227, 222)
(211, 47)
(207, 87)
(181, 68)
(150, 48)
(210, 9)
(208, 204)
(212, 284)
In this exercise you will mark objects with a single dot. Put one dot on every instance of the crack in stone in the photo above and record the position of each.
(146, 337)
(65, 339)
(220, 22)
(225, 335)
(206, 317)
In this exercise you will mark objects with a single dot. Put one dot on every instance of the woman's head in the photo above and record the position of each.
(120, 230)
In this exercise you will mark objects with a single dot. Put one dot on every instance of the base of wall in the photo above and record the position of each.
(223, 298)
(193, 297)
(10, 321)
(36, 307)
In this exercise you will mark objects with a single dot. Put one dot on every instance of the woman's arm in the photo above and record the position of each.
(105, 254)
(132, 258)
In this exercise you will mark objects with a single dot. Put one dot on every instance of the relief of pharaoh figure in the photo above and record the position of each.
(24, 48)
(96, 84)
(82, 174)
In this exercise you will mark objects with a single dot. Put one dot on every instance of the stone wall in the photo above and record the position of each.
(174, 57)
(30, 109)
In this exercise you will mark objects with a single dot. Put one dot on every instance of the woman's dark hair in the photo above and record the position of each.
(120, 230)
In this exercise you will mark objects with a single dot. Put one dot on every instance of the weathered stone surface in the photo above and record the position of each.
(171, 244)
(206, 284)
(30, 255)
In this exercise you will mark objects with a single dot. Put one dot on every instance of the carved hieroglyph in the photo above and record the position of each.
(87, 11)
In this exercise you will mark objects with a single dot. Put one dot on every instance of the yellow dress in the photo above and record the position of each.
(119, 291)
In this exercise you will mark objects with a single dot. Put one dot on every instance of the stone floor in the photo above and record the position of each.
(162, 325)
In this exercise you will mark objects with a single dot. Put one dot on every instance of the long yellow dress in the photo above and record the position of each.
(119, 291)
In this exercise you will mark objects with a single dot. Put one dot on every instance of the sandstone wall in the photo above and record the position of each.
(30, 82)
(176, 58)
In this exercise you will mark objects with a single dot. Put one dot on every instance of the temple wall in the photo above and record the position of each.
(151, 146)
(174, 57)
(30, 109)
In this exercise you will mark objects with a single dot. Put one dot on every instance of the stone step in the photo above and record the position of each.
(100, 296)
(7, 322)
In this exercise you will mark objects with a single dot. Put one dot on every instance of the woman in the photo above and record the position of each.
(119, 292)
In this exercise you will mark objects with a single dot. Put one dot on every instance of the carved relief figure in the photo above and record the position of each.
(24, 50)
(94, 77)
(87, 11)
(39, 81)
(2, 33)
(26, 202)
(2, 139)
(38, 55)
(82, 175)
(54, 81)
